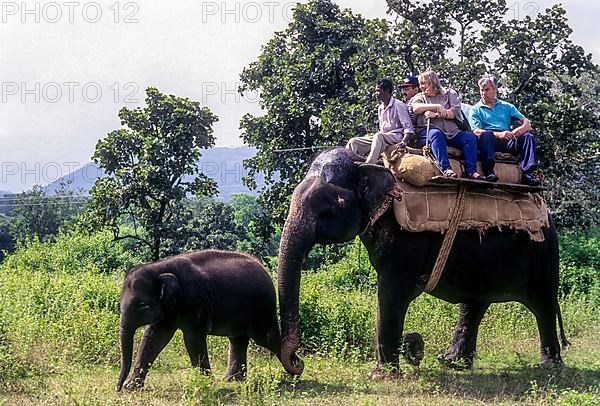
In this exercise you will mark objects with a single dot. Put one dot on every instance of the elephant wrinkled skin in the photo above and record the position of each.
(339, 199)
(207, 292)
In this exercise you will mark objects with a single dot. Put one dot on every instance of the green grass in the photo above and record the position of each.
(331, 380)
(59, 341)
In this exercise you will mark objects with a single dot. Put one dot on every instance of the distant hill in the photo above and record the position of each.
(224, 165)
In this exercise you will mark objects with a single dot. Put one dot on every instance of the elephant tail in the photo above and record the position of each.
(563, 338)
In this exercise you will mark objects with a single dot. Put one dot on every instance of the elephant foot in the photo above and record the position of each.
(235, 377)
(134, 384)
(549, 362)
(413, 348)
(384, 373)
(455, 362)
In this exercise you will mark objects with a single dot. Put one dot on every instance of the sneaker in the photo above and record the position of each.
(491, 177)
(530, 179)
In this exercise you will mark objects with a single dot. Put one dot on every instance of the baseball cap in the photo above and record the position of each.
(409, 81)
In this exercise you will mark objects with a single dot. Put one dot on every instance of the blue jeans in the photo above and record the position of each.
(464, 140)
(523, 146)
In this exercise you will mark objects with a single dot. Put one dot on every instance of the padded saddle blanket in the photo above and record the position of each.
(418, 170)
(429, 208)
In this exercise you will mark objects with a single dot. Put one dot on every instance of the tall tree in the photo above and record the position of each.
(150, 166)
(300, 72)
(316, 79)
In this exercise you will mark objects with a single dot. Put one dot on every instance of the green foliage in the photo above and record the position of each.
(337, 305)
(12, 368)
(316, 78)
(59, 327)
(580, 264)
(75, 253)
(262, 237)
(7, 242)
(299, 72)
(151, 167)
(35, 214)
(205, 223)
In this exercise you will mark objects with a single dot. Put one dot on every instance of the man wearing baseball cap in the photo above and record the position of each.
(409, 87)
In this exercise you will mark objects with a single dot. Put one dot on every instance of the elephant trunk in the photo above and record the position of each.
(296, 241)
(126, 353)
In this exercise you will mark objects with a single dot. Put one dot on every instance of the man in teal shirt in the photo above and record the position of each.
(491, 120)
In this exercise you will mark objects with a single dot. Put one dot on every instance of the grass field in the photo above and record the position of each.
(505, 372)
(59, 312)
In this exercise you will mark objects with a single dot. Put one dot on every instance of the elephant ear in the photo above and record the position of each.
(170, 290)
(374, 184)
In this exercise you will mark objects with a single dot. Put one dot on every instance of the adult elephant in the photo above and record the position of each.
(339, 199)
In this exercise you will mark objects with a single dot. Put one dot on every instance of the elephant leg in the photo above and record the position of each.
(236, 364)
(464, 342)
(154, 340)
(392, 304)
(195, 343)
(545, 316)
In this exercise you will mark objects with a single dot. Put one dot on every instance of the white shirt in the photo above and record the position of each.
(394, 118)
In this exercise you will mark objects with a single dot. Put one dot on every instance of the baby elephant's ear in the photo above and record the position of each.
(170, 291)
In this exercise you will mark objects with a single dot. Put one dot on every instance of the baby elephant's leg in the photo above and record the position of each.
(155, 338)
(195, 343)
(236, 366)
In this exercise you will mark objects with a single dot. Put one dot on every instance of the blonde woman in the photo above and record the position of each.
(442, 108)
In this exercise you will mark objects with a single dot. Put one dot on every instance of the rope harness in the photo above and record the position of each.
(394, 194)
(442, 257)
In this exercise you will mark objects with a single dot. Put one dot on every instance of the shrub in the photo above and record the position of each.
(334, 320)
(580, 264)
(74, 253)
(12, 368)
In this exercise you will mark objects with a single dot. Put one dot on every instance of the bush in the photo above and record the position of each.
(580, 264)
(12, 368)
(74, 253)
(60, 302)
(335, 320)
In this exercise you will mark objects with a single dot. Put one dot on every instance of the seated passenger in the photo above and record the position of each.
(410, 88)
(491, 119)
(395, 126)
(442, 108)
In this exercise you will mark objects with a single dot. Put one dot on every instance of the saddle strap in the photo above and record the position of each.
(442, 257)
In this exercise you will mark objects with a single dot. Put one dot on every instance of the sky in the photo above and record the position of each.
(67, 67)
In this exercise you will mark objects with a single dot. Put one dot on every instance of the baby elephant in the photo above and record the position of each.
(208, 292)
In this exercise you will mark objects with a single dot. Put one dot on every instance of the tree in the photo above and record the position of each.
(262, 236)
(204, 223)
(151, 167)
(316, 79)
(35, 214)
(299, 73)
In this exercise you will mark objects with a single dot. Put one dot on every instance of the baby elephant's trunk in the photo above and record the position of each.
(126, 354)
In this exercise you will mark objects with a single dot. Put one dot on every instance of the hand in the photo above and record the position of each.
(507, 135)
(431, 114)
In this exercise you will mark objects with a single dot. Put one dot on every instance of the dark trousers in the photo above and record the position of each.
(464, 140)
(523, 146)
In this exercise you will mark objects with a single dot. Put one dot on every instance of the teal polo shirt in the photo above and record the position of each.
(497, 118)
